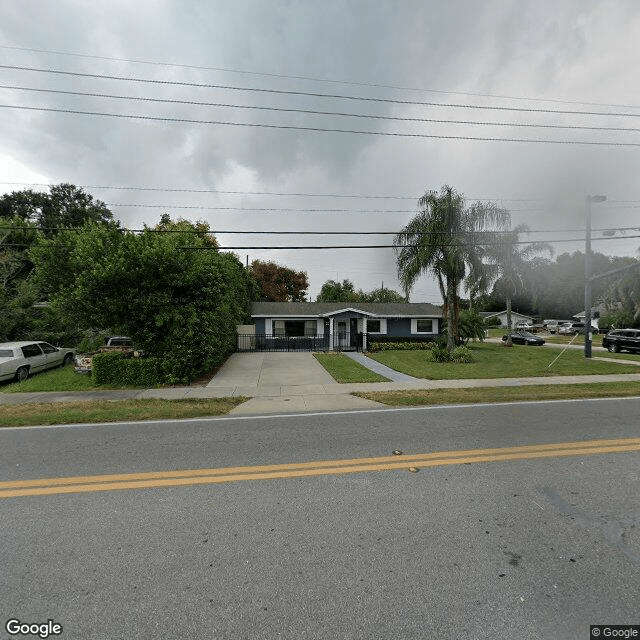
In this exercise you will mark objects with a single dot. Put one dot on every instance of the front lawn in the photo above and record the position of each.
(498, 361)
(60, 379)
(523, 393)
(343, 369)
(66, 379)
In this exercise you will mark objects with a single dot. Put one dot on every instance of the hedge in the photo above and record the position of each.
(119, 369)
(404, 343)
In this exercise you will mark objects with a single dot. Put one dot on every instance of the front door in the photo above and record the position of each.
(342, 334)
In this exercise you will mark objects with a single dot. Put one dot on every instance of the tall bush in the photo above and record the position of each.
(169, 288)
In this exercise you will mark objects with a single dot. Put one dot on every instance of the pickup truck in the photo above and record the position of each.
(120, 344)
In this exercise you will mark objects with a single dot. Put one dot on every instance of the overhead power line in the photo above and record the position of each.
(324, 232)
(317, 112)
(314, 79)
(321, 129)
(283, 193)
(221, 191)
(314, 94)
(391, 246)
(357, 246)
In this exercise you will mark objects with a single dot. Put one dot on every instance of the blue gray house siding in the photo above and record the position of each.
(398, 317)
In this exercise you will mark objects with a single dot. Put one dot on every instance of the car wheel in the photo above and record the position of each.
(68, 359)
(22, 374)
(614, 347)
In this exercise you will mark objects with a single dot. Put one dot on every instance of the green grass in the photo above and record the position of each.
(504, 394)
(60, 379)
(66, 379)
(343, 369)
(634, 357)
(498, 361)
(114, 410)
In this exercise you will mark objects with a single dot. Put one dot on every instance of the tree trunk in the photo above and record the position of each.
(509, 325)
(451, 320)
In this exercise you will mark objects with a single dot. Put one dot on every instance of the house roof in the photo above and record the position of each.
(323, 309)
(491, 314)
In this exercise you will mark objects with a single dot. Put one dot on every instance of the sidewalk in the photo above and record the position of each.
(296, 382)
(298, 398)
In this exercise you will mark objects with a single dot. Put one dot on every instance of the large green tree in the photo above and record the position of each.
(278, 283)
(448, 240)
(25, 217)
(333, 291)
(168, 287)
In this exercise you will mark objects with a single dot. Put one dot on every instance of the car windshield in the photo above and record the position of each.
(6, 353)
(525, 334)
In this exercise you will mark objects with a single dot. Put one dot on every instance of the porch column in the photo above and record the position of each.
(331, 344)
(364, 333)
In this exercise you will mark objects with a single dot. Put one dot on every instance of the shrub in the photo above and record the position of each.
(462, 354)
(494, 321)
(402, 346)
(120, 369)
(440, 354)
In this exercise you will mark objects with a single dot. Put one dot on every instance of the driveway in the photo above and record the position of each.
(282, 382)
(266, 369)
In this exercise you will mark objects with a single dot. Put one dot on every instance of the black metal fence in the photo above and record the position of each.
(341, 341)
(266, 342)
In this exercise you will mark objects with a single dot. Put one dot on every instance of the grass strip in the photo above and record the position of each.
(343, 369)
(49, 413)
(503, 394)
(498, 361)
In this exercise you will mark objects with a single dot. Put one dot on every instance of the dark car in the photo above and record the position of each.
(523, 337)
(622, 339)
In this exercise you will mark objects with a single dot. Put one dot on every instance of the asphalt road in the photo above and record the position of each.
(466, 548)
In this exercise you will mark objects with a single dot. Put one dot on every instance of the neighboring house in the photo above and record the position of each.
(516, 318)
(335, 325)
(595, 316)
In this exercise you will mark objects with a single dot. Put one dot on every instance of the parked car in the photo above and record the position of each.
(551, 325)
(523, 337)
(571, 328)
(622, 339)
(20, 359)
(120, 344)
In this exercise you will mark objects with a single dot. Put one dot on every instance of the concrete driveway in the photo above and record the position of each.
(282, 381)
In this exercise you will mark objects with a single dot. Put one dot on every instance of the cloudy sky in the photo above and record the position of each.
(221, 93)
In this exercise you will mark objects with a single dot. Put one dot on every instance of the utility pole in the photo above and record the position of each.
(587, 276)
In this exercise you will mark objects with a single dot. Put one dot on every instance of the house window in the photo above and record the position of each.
(423, 325)
(294, 328)
(373, 326)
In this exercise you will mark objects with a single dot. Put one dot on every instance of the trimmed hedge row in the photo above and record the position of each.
(404, 343)
(400, 346)
(118, 369)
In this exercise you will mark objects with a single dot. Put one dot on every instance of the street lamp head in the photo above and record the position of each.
(597, 198)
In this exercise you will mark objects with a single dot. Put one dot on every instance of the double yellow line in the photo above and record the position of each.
(156, 479)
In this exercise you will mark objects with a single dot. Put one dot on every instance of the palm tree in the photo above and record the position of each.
(446, 239)
(511, 263)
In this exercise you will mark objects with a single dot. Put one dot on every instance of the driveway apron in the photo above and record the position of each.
(270, 371)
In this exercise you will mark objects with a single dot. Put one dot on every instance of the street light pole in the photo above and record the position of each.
(587, 276)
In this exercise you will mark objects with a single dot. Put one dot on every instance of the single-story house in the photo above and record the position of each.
(516, 318)
(335, 325)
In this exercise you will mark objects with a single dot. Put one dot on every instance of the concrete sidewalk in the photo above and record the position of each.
(296, 382)
(300, 398)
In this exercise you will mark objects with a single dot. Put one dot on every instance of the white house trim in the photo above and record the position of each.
(414, 326)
